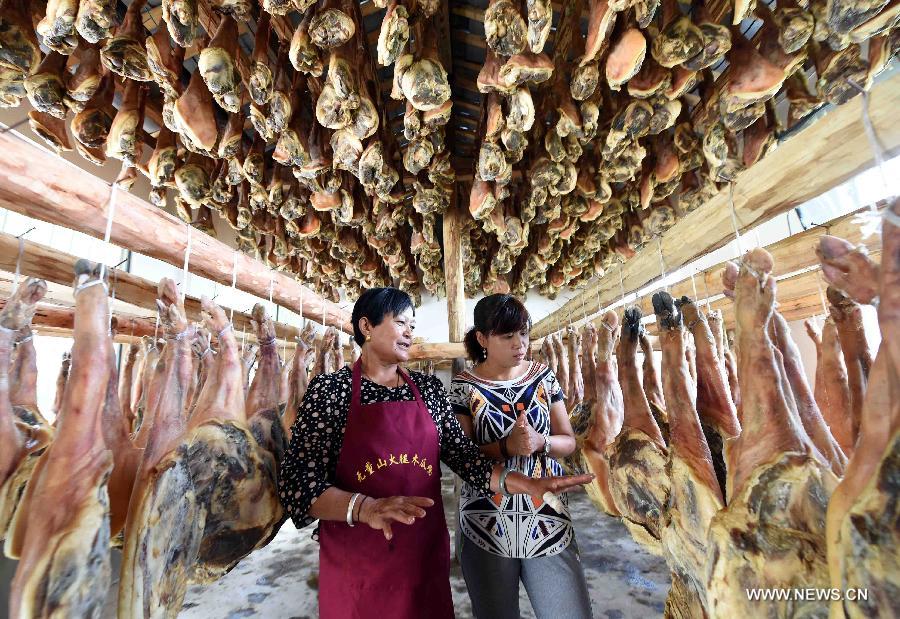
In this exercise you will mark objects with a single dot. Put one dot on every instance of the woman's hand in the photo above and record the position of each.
(523, 440)
(558, 485)
(380, 513)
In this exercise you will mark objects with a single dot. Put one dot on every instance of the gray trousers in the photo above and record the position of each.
(555, 585)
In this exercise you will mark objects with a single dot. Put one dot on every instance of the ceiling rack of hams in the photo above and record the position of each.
(333, 135)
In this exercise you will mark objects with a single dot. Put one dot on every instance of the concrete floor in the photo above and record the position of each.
(280, 581)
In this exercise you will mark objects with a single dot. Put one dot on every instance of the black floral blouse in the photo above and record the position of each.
(310, 462)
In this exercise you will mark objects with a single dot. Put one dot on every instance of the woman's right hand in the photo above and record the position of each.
(380, 513)
(523, 440)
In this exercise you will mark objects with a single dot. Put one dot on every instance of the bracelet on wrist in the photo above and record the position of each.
(359, 508)
(350, 506)
(502, 482)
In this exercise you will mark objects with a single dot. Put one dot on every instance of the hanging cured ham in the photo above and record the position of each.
(832, 389)
(603, 400)
(165, 518)
(60, 532)
(863, 514)
(695, 496)
(24, 433)
(780, 487)
(718, 416)
(637, 458)
(653, 386)
(228, 467)
(299, 375)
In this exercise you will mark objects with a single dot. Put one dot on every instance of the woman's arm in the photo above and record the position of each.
(524, 440)
(562, 437)
(377, 513)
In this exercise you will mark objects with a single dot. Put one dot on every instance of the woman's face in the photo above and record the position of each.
(506, 349)
(392, 339)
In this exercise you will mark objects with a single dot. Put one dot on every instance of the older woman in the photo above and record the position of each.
(364, 461)
(513, 409)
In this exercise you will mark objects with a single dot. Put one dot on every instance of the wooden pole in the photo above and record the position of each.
(57, 267)
(833, 149)
(37, 184)
(453, 275)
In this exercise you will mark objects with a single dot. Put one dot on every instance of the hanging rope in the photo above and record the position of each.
(869, 221)
(110, 213)
(187, 257)
(622, 286)
(694, 285)
(706, 287)
(233, 285)
(662, 265)
(21, 238)
(734, 224)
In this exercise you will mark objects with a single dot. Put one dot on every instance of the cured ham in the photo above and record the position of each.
(575, 389)
(231, 477)
(862, 515)
(780, 488)
(653, 386)
(718, 415)
(24, 434)
(61, 380)
(60, 531)
(127, 384)
(562, 361)
(832, 389)
(638, 456)
(299, 375)
(694, 495)
(165, 519)
(603, 400)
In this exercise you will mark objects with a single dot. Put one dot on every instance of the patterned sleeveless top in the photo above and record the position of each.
(519, 526)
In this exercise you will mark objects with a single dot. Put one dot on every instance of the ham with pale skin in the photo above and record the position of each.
(694, 496)
(653, 386)
(803, 400)
(637, 458)
(550, 354)
(127, 382)
(603, 401)
(772, 532)
(24, 433)
(718, 415)
(165, 519)
(863, 512)
(299, 375)
(575, 389)
(60, 532)
(832, 389)
(562, 361)
(847, 316)
(229, 469)
(61, 380)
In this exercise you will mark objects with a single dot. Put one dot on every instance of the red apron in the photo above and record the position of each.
(389, 449)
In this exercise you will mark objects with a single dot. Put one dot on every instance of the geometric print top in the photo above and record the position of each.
(519, 526)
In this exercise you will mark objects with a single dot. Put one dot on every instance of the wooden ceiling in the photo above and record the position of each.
(645, 151)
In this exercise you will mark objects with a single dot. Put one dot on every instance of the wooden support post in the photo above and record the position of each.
(39, 185)
(453, 274)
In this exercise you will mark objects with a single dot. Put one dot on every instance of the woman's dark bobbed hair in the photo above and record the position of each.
(375, 304)
(496, 314)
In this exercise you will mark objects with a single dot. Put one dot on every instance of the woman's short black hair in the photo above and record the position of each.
(375, 304)
(496, 314)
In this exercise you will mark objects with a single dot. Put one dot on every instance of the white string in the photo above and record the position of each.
(622, 286)
(187, 257)
(19, 264)
(708, 302)
(737, 236)
(110, 213)
(233, 285)
(869, 221)
(694, 285)
(662, 265)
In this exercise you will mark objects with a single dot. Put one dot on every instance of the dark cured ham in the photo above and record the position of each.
(637, 458)
(771, 534)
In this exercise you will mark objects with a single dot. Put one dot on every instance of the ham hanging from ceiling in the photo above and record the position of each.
(694, 495)
(60, 532)
(771, 534)
(165, 518)
(653, 386)
(638, 480)
(832, 389)
(228, 467)
(299, 375)
(863, 536)
(603, 398)
(24, 434)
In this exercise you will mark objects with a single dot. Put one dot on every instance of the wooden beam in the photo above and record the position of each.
(57, 267)
(830, 151)
(37, 184)
(434, 352)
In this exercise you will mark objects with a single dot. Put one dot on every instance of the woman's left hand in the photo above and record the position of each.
(557, 485)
